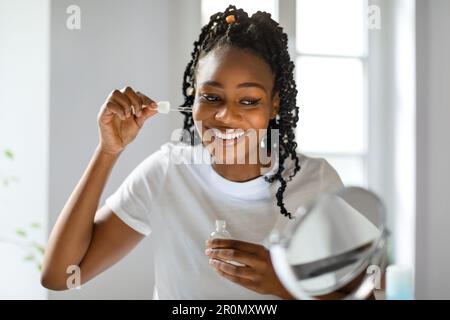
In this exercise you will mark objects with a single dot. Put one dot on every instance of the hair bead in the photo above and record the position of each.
(230, 19)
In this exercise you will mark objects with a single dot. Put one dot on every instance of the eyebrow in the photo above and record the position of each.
(241, 85)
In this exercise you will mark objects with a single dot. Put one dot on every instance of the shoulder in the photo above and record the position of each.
(319, 166)
(169, 151)
(156, 166)
(172, 153)
(318, 173)
(156, 162)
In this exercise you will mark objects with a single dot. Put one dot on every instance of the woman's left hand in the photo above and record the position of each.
(257, 274)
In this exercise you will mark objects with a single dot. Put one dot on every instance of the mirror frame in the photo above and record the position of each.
(280, 240)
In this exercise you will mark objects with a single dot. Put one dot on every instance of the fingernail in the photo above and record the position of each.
(208, 252)
(211, 261)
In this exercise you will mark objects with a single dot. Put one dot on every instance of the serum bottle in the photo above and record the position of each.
(221, 232)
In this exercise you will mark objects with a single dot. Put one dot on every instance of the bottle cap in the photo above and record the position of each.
(163, 106)
(221, 224)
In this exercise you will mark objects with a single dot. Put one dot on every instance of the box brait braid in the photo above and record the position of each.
(265, 38)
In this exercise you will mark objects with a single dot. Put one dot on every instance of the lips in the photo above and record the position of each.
(228, 136)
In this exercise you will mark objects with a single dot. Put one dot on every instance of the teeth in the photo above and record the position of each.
(231, 134)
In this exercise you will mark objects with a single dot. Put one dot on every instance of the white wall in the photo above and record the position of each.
(392, 121)
(24, 84)
(52, 83)
(411, 92)
(433, 149)
(138, 43)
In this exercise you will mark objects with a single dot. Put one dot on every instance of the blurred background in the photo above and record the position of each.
(373, 81)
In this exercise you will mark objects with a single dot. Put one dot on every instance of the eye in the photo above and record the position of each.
(250, 102)
(209, 97)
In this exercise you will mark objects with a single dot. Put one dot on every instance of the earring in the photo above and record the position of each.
(189, 91)
(263, 142)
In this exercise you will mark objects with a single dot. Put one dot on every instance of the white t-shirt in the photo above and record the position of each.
(178, 200)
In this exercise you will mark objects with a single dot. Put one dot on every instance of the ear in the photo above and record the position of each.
(275, 105)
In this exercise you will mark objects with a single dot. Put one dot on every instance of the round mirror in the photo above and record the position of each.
(334, 248)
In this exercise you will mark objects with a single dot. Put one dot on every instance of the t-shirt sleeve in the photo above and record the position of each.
(330, 179)
(132, 202)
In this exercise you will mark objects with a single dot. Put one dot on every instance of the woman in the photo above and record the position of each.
(240, 81)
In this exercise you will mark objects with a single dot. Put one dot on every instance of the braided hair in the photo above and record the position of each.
(263, 37)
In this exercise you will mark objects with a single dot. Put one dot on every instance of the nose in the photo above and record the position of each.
(228, 113)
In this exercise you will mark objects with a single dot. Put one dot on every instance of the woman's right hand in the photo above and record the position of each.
(116, 122)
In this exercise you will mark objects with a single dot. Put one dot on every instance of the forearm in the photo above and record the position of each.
(72, 233)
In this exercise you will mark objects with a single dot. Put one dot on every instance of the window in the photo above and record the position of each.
(331, 56)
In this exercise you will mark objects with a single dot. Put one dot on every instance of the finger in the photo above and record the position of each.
(136, 101)
(236, 244)
(122, 100)
(250, 284)
(234, 255)
(113, 108)
(232, 270)
(240, 281)
(146, 101)
(146, 113)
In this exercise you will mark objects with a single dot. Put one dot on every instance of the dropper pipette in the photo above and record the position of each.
(164, 107)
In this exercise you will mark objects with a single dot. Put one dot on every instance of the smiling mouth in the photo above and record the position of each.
(230, 136)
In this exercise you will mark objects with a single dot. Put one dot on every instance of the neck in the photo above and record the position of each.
(241, 172)
(238, 172)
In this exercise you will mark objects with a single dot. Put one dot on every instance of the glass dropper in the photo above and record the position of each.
(164, 107)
